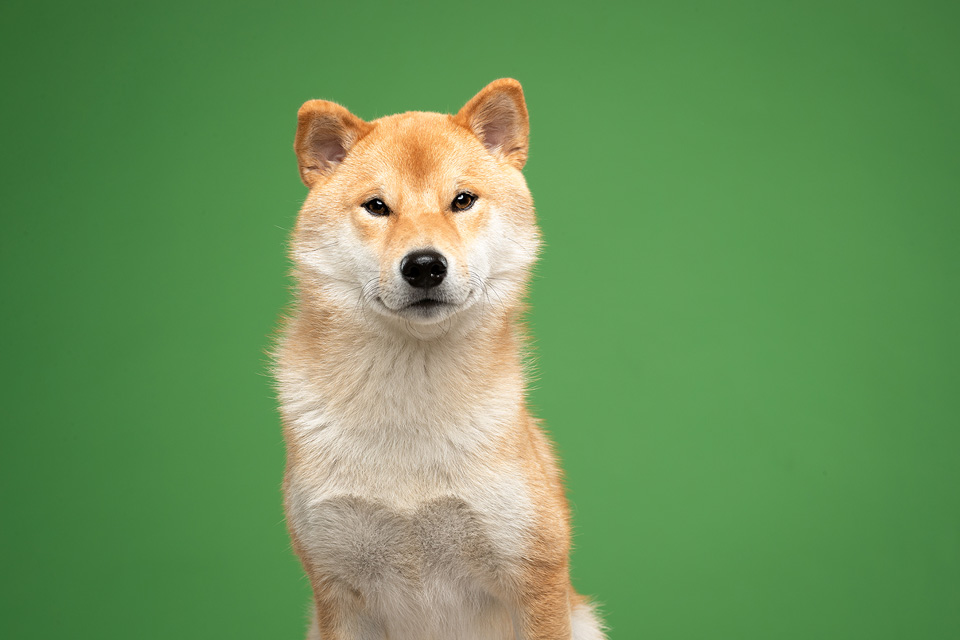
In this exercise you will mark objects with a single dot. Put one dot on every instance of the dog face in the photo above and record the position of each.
(417, 217)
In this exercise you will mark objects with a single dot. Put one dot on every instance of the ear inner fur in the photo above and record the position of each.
(498, 117)
(325, 133)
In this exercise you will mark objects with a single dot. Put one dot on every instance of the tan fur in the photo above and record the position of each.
(421, 497)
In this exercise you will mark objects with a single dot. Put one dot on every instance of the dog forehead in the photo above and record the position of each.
(418, 148)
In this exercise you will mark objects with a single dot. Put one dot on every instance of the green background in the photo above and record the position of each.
(746, 316)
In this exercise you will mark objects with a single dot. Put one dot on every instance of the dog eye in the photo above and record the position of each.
(377, 207)
(463, 201)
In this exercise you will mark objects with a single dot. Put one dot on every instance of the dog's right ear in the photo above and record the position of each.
(325, 133)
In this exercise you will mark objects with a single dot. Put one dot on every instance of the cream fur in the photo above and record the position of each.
(423, 500)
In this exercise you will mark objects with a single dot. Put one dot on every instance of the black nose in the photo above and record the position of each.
(423, 269)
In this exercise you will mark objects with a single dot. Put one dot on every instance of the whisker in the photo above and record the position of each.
(321, 247)
(364, 295)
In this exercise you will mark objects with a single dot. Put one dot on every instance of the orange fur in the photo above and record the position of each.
(408, 388)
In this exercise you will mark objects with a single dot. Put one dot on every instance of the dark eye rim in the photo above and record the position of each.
(473, 199)
(376, 207)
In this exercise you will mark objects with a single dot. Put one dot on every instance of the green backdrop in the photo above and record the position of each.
(746, 316)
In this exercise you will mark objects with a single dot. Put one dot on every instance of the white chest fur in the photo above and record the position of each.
(401, 492)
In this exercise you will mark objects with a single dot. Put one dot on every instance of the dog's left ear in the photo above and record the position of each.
(498, 116)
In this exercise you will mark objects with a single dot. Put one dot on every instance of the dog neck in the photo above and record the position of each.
(366, 375)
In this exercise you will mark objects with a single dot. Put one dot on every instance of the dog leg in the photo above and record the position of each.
(313, 631)
(553, 611)
(337, 616)
(544, 609)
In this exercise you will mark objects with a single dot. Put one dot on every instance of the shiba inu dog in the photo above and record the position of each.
(421, 496)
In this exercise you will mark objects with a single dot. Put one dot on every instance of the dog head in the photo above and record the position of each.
(416, 218)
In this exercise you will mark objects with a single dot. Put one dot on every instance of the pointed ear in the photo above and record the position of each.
(325, 133)
(498, 116)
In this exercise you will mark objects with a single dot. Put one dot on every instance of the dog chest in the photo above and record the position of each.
(417, 527)
(373, 547)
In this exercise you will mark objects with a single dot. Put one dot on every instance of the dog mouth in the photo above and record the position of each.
(425, 308)
(426, 304)
(418, 307)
